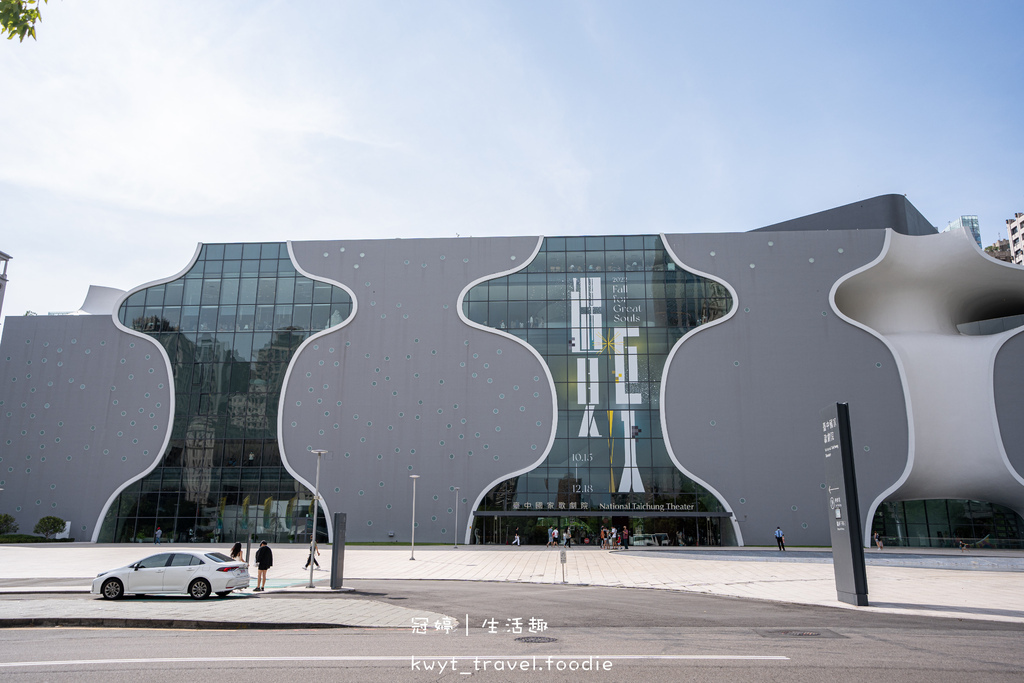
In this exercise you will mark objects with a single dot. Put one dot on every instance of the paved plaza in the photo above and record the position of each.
(978, 585)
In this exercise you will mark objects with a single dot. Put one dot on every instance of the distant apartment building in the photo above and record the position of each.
(968, 223)
(1014, 230)
(1000, 250)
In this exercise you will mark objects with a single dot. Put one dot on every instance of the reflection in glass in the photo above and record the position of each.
(604, 314)
(221, 476)
(948, 524)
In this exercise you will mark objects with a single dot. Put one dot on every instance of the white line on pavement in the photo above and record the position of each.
(405, 658)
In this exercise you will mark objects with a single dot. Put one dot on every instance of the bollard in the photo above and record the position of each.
(338, 551)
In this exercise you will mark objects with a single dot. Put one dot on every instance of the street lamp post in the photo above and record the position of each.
(412, 547)
(456, 517)
(316, 500)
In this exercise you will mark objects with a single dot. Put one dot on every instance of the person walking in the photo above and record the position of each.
(603, 539)
(878, 541)
(568, 538)
(613, 541)
(625, 538)
(236, 553)
(554, 537)
(157, 535)
(515, 541)
(264, 561)
(316, 549)
(549, 536)
(780, 538)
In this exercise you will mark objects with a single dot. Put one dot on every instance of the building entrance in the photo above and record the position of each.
(690, 530)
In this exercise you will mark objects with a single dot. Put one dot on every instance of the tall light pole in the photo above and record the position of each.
(412, 550)
(316, 499)
(456, 517)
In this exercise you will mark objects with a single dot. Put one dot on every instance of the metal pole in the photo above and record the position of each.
(412, 546)
(316, 500)
(456, 517)
(249, 535)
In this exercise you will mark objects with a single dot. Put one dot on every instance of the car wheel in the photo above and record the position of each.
(112, 589)
(221, 594)
(199, 589)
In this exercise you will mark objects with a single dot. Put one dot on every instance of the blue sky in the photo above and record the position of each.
(134, 130)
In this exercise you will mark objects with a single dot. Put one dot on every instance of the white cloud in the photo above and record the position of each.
(146, 123)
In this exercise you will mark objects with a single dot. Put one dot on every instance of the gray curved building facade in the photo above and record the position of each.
(671, 383)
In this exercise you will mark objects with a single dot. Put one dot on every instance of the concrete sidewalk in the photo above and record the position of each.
(983, 585)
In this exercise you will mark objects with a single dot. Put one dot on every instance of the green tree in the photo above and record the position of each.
(48, 526)
(19, 18)
(7, 524)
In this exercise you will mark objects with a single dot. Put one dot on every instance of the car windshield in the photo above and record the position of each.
(219, 557)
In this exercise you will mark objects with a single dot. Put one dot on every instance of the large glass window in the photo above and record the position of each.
(221, 476)
(948, 524)
(604, 313)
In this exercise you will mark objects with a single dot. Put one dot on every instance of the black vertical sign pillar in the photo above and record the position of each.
(843, 506)
(338, 551)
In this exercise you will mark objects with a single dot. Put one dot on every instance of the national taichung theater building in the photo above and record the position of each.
(671, 383)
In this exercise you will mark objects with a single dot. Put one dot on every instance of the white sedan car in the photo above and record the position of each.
(183, 571)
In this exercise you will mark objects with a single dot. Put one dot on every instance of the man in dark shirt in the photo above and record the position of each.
(264, 561)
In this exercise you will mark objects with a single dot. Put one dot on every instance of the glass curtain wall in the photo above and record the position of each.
(604, 312)
(948, 524)
(230, 326)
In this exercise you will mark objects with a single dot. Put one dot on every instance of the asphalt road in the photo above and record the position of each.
(626, 634)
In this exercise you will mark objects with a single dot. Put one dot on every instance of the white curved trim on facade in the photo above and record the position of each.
(992, 365)
(288, 374)
(99, 300)
(664, 375)
(992, 373)
(870, 514)
(170, 379)
(936, 283)
(543, 364)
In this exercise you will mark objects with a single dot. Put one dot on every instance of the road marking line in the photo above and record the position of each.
(382, 658)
